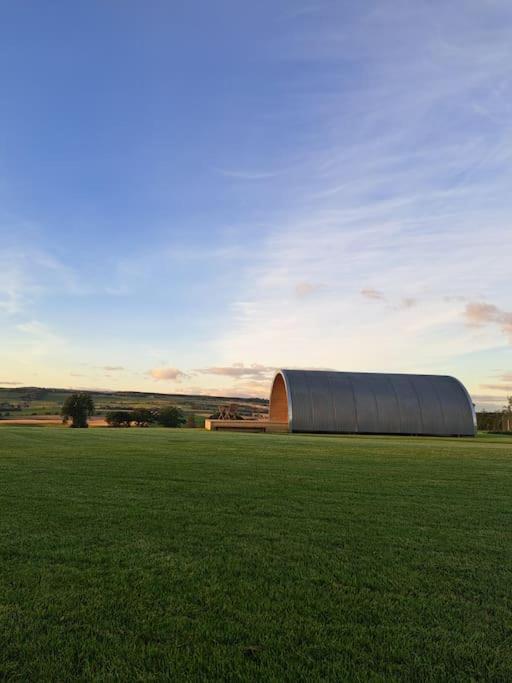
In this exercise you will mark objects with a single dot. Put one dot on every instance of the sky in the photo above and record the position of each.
(193, 194)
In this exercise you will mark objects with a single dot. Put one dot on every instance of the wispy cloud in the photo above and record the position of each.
(370, 293)
(503, 385)
(304, 289)
(489, 401)
(240, 390)
(240, 371)
(377, 295)
(29, 274)
(481, 313)
(375, 158)
(15, 284)
(40, 338)
(252, 388)
(498, 387)
(407, 185)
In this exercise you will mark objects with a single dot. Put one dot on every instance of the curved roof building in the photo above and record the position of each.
(371, 403)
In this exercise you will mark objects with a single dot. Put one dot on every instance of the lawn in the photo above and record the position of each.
(185, 555)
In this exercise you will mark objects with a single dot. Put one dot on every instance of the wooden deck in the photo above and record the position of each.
(245, 425)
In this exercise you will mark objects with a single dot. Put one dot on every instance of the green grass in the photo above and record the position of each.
(184, 555)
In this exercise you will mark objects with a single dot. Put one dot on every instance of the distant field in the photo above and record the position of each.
(34, 403)
(184, 555)
(47, 421)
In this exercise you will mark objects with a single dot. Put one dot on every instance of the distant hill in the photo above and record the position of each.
(21, 402)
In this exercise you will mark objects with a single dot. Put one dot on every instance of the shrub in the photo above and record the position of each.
(119, 418)
(171, 417)
(143, 417)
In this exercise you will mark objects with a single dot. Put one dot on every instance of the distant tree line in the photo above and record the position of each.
(496, 421)
(144, 417)
(78, 407)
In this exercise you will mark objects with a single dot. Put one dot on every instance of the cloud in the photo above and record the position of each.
(304, 289)
(9, 383)
(10, 301)
(15, 284)
(478, 314)
(504, 383)
(241, 371)
(167, 374)
(30, 273)
(418, 209)
(370, 293)
(489, 401)
(498, 387)
(254, 388)
(113, 368)
(38, 339)
(238, 391)
(377, 295)
(422, 210)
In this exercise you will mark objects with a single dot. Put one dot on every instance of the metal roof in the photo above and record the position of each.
(376, 403)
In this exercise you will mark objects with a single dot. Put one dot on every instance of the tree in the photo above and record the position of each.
(191, 421)
(507, 416)
(171, 417)
(119, 418)
(497, 421)
(77, 407)
(143, 417)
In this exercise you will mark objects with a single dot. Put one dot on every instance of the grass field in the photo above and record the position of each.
(184, 555)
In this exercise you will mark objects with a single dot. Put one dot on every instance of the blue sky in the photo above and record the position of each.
(193, 194)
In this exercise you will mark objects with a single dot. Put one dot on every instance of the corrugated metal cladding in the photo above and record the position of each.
(375, 403)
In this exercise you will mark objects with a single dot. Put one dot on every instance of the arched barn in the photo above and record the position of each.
(371, 403)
